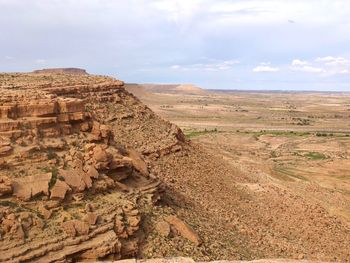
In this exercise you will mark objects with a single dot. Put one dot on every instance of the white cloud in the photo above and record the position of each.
(328, 59)
(333, 61)
(325, 59)
(298, 62)
(212, 65)
(309, 69)
(9, 58)
(265, 67)
(40, 61)
(328, 65)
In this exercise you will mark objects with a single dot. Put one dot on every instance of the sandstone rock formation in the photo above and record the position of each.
(65, 174)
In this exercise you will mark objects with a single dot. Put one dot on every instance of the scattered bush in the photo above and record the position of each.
(315, 156)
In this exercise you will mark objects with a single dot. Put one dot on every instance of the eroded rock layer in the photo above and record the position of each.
(69, 189)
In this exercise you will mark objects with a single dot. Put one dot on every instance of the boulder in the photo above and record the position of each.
(5, 150)
(45, 212)
(81, 227)
(138, 162)
(69, 228)
(74, 179)
(101, 155)
(184, 229)
(30, 186)
(163, 228)
(75, 227)
(92, 172)
(105, 131)
(91, 218)
(59, 190)
(5, 186)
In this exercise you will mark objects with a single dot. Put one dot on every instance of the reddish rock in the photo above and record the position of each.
(31, 186)
(103, 183)
(5, 186)
(59, 190)
(89, 147)
(74, 178)
(69, 228)
(45, 212)
(134, 221)
(2, 163)
(84, 127)
(17, 231)
(119, 226)
(87, 180)
(101, 155)
(105, 131)
(92, 172)
(91, 218)
(82, 228)
(138, 162)
(7, 223)
(163, 228)
(95, 132)
(184, 229)
(5, 150)
(26, 220)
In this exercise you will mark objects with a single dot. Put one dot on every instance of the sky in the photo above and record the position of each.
(216, 44)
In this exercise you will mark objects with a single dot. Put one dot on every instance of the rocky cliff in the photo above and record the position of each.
(70, 187)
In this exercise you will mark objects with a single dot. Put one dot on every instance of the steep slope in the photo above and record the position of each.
(244, 213)
(238, 214)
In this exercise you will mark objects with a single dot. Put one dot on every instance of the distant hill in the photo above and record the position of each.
(74, 71)
(136, 89)
(143, 89)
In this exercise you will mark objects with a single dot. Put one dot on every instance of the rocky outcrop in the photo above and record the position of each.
(5, 186)
(41, 116)
(29, 187)
(74, 71)
(184, 229)
(70, 188)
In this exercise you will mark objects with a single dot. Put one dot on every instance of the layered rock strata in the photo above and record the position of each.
(69, 189)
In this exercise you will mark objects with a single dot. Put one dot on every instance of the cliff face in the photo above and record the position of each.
(71, 183)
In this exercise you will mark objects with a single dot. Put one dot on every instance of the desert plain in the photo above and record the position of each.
(298, 141)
